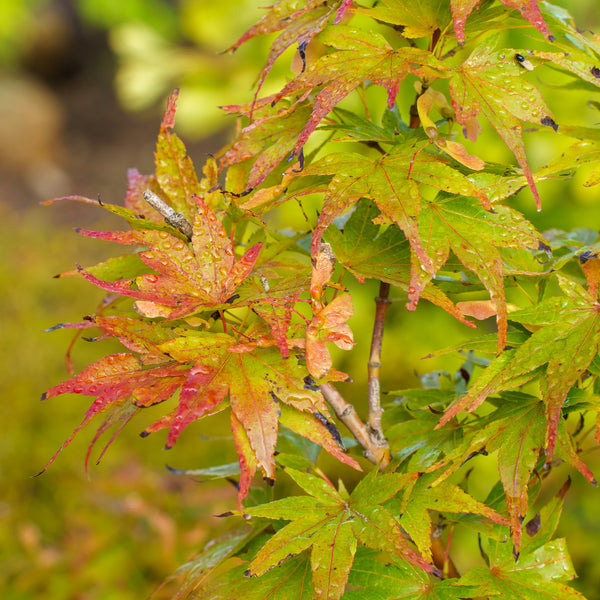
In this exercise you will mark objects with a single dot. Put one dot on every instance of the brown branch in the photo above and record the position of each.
(382, 303)
(171, 216)
(346, 413)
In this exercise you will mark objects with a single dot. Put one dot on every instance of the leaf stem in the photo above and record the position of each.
(346, 413)
(382, 303)
(441, 555)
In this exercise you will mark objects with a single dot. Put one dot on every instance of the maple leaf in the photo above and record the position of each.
(257, 383)
(267, 140)
(359, 55)
(114, 380)
(418, 19)
(329, 321)
(568, 327)
(207, 368)
(490, 82)
(423, 497)
(185, 280)
(516, 431)
(328, 325)
(368, 253)
(299, 25)
(530, 10)
(431, 99)
(418, 441)
(332, 524)
(535, 575)
(175, 172)
(585, 152)
(290, 581)
(461, 9)
(474, 236)
(392, 181)
(385, 580)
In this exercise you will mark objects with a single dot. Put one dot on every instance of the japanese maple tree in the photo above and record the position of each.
(217, 308)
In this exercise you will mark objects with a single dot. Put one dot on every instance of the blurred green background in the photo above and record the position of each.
(82, 87)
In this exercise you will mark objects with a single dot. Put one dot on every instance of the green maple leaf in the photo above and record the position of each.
(387, 578)
(290, 581)
(516, 431)
(368, 253)
(332, 524)
(417, 19)
(569, 329)
(417, 441)
(423, 497)
(490, 82)
(392, 182)
(474, 236)
(535, 575)
(585, 152)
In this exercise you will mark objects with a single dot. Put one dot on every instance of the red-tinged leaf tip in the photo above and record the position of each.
(341, 11)
(461, 9)
(530, 10)
(43, 397)
(225, 514)
(168, 121)
(144, 434)
(75, 198)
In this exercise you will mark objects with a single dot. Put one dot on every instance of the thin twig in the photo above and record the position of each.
(382, 303)
(347, 415)
(171, 216)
